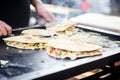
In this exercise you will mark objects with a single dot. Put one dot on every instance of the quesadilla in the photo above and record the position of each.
(60, 48)
(64, 28)
(26, 42)
(38, 32)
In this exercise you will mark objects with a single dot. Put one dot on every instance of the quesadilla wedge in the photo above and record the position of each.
(60, 48)
(64, 28)
(38, 32)
(26, 42)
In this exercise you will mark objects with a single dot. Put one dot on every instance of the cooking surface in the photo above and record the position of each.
(32, 64)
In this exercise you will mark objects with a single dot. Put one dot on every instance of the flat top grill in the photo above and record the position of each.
(33, 64)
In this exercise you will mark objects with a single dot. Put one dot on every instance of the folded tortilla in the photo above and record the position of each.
(60, 48)
(26, 42)
(38, 32)
(64, 28)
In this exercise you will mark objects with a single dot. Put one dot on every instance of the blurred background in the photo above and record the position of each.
(65, 9)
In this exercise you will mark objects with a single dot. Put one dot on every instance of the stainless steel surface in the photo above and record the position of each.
(98, 29)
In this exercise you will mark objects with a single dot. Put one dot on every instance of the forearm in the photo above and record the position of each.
(36, 3)
(42, 11)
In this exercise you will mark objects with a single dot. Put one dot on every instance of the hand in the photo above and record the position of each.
(5, 29)
(44, 14)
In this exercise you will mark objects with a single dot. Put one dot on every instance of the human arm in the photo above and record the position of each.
(5, 29)
(42, 11)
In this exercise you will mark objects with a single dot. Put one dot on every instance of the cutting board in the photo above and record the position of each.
(99, 20)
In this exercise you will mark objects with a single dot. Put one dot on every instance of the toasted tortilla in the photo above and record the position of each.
(26, 42)
(66, 48)
(64, 28)
(38, 32)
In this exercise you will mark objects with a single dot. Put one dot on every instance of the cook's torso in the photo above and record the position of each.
(15, 12)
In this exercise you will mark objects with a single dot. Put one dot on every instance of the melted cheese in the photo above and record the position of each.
(58, 53)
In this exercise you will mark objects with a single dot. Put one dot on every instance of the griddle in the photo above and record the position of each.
(36, 64)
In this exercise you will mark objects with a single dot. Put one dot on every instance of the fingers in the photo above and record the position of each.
(49, 17)
(9, 29)
(2, 29)
(45, 14)
(0, 33)
(5, 29)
